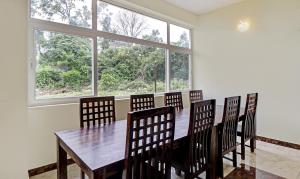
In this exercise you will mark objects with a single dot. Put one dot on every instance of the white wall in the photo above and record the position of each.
(44, 121)
(13, 89)
(265, 59)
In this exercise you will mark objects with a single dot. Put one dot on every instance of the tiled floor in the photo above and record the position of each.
(269, 161)
(249, 172)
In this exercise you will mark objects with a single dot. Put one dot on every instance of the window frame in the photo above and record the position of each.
(93, 33)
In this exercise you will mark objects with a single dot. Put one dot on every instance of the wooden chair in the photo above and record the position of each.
(196, 159)
(97, 111)
(141, 102)
(149, 142)
(196, 95)
(227, 132)
(174, 99)
(248, 128)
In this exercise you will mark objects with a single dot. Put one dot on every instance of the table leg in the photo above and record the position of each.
(61, 162)
(253, 144)
(97, 176)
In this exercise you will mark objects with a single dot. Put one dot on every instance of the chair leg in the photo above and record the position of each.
(253, 144)
(208, 176)
(82, 175)
(220, 168)
(234, 157)
(243, 148)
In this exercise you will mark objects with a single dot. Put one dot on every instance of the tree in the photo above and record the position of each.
(130, 24)
(184, 40)
(154, 36)
(64, 61)
(64, 10)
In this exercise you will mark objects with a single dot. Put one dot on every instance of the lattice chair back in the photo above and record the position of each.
(174, 99)
(196, 95)
(202, 120)
(97, 111)
(230, 121)
(141, 102)
(150, 136)
(249, 125)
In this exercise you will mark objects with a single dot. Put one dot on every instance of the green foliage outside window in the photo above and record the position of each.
(64, 62)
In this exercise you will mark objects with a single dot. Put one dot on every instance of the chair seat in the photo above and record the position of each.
(180, 155)
(241, 118)
(179, 163)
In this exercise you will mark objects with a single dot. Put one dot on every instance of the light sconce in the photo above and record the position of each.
(243, 25)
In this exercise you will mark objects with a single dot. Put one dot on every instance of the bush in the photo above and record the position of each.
(160, 86)
(47, 78)
(109, 80)
(178, 84)
(73, 79)
(134, 86)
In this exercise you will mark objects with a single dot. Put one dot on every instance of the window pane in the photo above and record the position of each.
(124, 22)
(179, 77)
(64, 65)
(72, 12)
(127, 68)
(179, 36)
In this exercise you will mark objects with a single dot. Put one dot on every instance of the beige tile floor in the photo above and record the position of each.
(281, 161)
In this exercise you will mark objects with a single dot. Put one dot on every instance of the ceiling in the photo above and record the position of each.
(202, 6)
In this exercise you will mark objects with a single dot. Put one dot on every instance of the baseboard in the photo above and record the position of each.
(278, 142)
(46, 168)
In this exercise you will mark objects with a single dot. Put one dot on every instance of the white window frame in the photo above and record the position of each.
(93, 33)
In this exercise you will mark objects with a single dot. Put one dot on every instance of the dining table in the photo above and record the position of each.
(99, 151)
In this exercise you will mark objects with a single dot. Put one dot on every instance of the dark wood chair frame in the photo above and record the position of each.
(96, 111)
(197, 159)
(196, 95)
(174, 99)
(248, 120)
(227, 132)
(142, 102)
(149, 142)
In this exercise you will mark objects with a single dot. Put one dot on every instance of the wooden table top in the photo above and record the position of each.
(102, 146)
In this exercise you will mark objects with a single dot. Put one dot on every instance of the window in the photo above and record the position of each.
(179, 68)
(127, 68)
(64, 65)
(72, 12)
(76, 52)
(180, 36)
(124, 22)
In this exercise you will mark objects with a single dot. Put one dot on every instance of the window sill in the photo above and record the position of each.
(75, 100)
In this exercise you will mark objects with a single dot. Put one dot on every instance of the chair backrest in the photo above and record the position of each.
(196, 95)
(202, 120)
(174, 99)
(141, 102)
(97, 110)
(249, 123)
(149, 142)
(230, 121)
